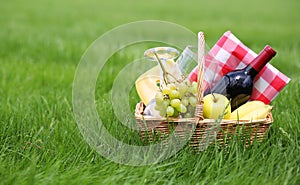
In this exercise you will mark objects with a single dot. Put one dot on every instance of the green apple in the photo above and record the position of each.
(215, 106)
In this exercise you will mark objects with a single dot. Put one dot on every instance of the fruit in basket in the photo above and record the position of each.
(176, 99)
(159, 97)
(216, 106)
(260, 113)
(246, 108)
(170, 111)
(193, 101)
(251, 110)
(175, 103)
(176, 95)
(182, 108)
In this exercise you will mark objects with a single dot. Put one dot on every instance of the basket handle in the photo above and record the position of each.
(201, 58)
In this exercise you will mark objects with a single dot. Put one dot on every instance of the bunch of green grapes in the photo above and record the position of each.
(177, 99)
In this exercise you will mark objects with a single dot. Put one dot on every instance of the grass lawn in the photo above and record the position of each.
(41, 43)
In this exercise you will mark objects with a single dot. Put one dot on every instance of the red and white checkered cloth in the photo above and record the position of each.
(228, 54)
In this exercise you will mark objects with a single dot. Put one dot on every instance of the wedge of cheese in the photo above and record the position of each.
(146, 84)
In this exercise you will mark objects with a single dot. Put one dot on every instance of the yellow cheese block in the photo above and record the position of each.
(146, 84)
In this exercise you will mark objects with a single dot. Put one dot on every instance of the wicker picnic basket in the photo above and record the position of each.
(155, 129)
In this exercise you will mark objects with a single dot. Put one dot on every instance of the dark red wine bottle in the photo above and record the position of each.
(237, 85)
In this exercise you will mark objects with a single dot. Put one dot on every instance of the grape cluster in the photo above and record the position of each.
(177, 99)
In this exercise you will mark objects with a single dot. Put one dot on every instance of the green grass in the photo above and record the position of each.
(41, 43)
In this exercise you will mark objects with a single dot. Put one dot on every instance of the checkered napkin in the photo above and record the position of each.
(228, 54)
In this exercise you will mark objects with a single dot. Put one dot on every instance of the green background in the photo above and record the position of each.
(41, 43)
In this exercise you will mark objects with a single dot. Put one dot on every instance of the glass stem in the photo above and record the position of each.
(162, 68)
(165, 73)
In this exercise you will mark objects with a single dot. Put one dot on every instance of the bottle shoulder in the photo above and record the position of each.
(242, 73)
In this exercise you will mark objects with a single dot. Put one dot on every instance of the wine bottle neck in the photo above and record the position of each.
(262, 58)
(249, 70)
